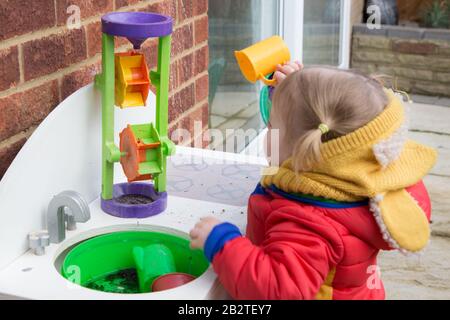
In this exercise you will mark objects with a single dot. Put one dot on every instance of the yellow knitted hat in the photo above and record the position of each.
(375, 162)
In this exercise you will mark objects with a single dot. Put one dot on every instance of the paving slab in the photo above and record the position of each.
(425, 277)
(429, 118)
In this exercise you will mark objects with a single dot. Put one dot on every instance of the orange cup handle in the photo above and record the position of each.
(268, 82)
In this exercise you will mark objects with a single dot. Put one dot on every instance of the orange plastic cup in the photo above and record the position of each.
(261, 59)
(171, 280)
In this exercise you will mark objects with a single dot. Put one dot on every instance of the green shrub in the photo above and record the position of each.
(437, 15)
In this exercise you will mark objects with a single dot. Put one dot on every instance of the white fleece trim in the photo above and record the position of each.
(376, 211)
(389, 150)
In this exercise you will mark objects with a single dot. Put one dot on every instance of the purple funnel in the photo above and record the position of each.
(137, 26)
(123, 210)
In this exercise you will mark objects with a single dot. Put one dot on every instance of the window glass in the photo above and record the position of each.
(235, 25)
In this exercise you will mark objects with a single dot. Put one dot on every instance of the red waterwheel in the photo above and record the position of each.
(133, 156)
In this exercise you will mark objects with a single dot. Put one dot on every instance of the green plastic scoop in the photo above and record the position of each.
(152, 262)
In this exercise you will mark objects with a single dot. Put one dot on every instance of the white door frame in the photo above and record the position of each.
(291, 26)
(291, 29)
(346, 34)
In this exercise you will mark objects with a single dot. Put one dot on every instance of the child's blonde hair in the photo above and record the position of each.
(344, 101)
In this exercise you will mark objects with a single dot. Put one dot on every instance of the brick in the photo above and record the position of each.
(185, 10)
(402, 84)
(125, 3)
(183, 39)
(46, 55)
(443, 77)
(88, 8)
(444, 50)
(365, 41)
(186, 68)
(181, 102)
(22, 16)
(94, 38)
(200, 7)
(373, 56)
(411, 60)
(432, 88)
(25, 109)
(201, 30)
(121, 41)
(367, 68)
(178, 138)
(78, 79)
(188, 122)
(414, 47)
(174, 81)
(9, 68)
(201, 88)
(413, 73)
(150, 51)
(8, 153)
(166, 7)
(201, 60)
(197, 119)
(440, 64)
(205, 115)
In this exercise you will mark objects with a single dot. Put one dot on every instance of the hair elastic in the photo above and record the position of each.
(324, 128)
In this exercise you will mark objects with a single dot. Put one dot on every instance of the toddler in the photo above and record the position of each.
(350, 185)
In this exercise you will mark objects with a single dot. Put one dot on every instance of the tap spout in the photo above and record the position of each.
(67, 206)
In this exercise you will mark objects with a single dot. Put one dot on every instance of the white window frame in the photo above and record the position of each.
(291, 29)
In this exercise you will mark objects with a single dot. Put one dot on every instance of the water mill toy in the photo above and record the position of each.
(134, 261)
(125, 81)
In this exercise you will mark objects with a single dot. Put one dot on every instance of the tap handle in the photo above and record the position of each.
(37, 241)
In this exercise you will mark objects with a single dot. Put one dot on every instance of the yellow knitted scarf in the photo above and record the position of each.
(375, 162)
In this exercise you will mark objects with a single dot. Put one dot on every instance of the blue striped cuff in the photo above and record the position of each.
(218, 237)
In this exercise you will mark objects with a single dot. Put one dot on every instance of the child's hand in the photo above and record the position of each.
(284, 70)
(201, 231)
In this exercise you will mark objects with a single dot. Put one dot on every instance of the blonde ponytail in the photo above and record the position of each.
(307, 150)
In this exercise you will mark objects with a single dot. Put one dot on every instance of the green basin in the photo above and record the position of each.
(106, 262)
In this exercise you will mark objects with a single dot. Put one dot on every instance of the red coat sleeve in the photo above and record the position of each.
(298, 252)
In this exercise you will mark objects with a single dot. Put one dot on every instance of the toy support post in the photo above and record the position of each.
(161, 80)
(109, 150)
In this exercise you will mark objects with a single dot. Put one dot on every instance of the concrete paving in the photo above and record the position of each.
(426, 276)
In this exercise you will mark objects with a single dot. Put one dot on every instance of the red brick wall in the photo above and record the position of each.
(42, 61)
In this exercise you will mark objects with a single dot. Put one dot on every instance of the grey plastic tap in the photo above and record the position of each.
(68, 207)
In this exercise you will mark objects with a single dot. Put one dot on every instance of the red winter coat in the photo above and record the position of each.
(302, 249)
